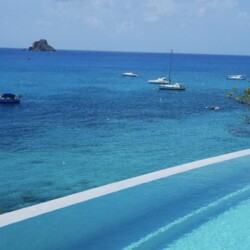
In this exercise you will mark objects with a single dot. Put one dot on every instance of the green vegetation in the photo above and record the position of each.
(243, 98)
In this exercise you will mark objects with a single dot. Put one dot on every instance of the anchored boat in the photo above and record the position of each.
(9, 98)
(236, 77)
(131, 74)
(169, 85)
(161, 80)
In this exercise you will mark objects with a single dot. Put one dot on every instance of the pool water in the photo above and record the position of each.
(204, 208)
(229, 230)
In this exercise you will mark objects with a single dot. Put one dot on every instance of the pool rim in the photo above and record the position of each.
(69, 200)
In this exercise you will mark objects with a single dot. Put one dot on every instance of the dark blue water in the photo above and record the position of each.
(81, 124)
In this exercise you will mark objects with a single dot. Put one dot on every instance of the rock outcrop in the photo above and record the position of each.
(41, 45)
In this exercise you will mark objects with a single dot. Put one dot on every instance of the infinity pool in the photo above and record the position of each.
(201, 205)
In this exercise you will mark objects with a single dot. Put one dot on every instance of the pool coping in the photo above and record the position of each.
(52, 205)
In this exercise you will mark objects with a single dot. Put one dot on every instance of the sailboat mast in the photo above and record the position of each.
(170, 66)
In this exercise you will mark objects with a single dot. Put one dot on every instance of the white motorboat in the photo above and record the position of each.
(236, 77)
(131, 74)
(172, 86)
(161, 80)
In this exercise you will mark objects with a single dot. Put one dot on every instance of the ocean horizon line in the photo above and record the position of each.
(130, 52)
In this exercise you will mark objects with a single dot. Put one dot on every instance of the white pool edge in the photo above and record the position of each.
(49, 206)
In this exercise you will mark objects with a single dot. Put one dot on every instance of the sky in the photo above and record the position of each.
(186, 26)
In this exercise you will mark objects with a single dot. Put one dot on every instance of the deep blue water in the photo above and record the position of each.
(81, 124)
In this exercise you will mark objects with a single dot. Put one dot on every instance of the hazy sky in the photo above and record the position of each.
(187, 26)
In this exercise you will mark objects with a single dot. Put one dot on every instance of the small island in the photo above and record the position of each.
(41, 45)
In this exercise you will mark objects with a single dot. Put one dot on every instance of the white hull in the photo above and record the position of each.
(175, 86)
(162, 80)
(236, 77)
(130, 74)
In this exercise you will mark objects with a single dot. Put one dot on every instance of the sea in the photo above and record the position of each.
(81, 124)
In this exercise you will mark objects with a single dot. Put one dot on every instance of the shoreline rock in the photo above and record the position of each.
(41, 45)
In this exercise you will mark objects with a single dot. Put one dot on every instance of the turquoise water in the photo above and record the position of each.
(229, 230)
(81, 124)
(206, 208)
